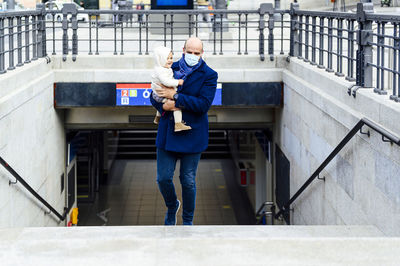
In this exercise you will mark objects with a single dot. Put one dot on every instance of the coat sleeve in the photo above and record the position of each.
(199, 104)
(166, 79)
(157, 105)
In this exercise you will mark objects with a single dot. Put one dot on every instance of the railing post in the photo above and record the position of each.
(19, 40)
(11, 43)
(364, 40)
(34, 38)
(2, 47)
(69, 9)
(27, 59)
(41, 31)
(294, 34)
(271, 26)
(264, 8)
(74, 24)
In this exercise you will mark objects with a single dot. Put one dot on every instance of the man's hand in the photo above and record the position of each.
(167, 92)
(169, 105)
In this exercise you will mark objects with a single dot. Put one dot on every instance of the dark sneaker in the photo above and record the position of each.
(170, 217)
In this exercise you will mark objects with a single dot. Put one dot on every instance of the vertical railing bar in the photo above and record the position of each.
(97, 34)
(383, 56)
(300, 53)
(11, 43)
(281, 33)
(313, 40)
(90, 34)
(395, 46)
(245, 47)
(115, 35)
(340, 49)
(215, 35)
(321, 43)
(19, 37)
(147, 34)
(338, 40)
(349, 58)
(190, 25)
(397, 99)
(197, 24)
(378, 58)
(165, 29)
(349, 54)
(352, 51)
(330, 45)
(239, 30)
(27, 45)
(221, 34)
(306, 33)
(2, 47)
(34, 40)
(140, 37)
(172, 31)
(122, 34)
(54, 34)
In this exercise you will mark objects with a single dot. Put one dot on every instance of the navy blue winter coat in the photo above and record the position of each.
(195, 98)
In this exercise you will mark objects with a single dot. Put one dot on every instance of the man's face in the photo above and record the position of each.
(193, 47)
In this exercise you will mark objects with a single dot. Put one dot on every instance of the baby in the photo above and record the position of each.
(163, 75)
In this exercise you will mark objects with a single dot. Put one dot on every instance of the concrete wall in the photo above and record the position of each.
(363, 183)
(32, 142)
(138, 68)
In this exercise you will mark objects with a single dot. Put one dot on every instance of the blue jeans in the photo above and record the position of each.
(166, 163)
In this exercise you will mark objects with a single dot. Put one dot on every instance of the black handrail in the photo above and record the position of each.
(33, 192)
(364, 121)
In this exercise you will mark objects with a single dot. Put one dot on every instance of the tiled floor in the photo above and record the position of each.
(132, 196)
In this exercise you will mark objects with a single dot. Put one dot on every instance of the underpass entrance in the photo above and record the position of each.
(116, 178)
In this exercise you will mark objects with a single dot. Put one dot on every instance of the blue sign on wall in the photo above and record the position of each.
(138, 94)
(172, 2)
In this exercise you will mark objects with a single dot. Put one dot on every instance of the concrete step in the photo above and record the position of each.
(198, 245)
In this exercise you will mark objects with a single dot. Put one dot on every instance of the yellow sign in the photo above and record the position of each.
(132, 93)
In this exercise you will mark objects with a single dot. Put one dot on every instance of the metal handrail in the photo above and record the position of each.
(32, 191)
(364, 121)
(21, 13)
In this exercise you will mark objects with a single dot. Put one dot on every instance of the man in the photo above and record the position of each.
(140, 7)
(194, 98)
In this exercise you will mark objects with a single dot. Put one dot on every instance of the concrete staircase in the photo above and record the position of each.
(198, 245)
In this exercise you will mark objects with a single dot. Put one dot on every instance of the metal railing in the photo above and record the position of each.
(363, 47)
(22, 38)
(43, 31)
(33, 192)
(360, 45)
(386, 137)
(137, 31)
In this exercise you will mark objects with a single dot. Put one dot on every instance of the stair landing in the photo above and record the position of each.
(198, 245)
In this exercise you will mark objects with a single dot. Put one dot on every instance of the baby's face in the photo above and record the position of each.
(169, 62)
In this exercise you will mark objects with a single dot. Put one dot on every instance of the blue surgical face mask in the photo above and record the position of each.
(191, 59)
